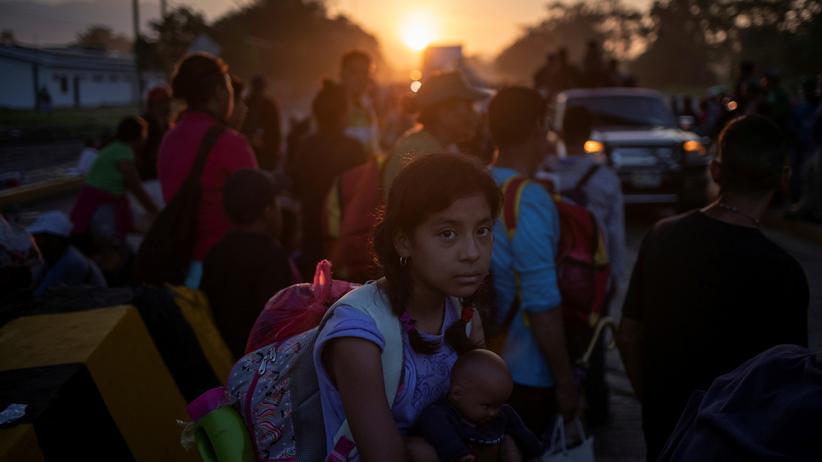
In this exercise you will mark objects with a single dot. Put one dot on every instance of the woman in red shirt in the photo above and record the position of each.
(203, 82)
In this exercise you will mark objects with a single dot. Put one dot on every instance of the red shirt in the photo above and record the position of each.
(176, 157)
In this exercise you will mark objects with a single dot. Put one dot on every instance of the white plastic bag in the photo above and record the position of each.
(559, 450)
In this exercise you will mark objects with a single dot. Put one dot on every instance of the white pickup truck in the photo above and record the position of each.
(637, 133)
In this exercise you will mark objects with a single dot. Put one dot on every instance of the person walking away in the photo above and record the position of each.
(709, 290)
(802, 116)
(322, 157)
(593, 68)
(202, 81)
(158, 121)
(589, 181)
(356, 76)
(262, 125)
(567, 75)
(524, 269)
(248, 265)
(447, 117)
(543, 82)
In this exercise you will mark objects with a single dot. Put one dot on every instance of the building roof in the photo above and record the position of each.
(69, 58)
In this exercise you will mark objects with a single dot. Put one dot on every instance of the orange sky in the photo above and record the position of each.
(482, 26)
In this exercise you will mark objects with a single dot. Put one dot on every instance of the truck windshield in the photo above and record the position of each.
(626, 111)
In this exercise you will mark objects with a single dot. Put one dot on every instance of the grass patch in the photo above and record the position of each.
(61, 123)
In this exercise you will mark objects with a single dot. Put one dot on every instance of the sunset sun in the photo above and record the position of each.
(418, 30)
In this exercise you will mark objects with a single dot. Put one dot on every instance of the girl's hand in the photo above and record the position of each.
(468, 458)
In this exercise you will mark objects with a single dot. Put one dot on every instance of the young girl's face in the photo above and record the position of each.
(450, 251)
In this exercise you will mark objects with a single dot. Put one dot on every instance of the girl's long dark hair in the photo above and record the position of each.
(427, 186)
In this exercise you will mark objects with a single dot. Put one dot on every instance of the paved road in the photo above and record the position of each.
(621, 440)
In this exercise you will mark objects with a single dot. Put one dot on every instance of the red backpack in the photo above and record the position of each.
(583, 269)
(351, 215)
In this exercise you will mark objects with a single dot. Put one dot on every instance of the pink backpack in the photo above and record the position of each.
(274, 386)
(297, 308)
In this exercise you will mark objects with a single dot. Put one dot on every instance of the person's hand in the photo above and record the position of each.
(567, 401)
(467, 458)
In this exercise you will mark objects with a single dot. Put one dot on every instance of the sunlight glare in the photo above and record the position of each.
(418, 30)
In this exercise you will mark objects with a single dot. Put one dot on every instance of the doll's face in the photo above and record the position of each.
(479, 401)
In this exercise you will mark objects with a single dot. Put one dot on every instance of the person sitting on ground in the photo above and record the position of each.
(65, 265)
(320, 158)
(20, 262)
(87, 156)
(434, 245)
(447, 117)
(709, 289)
(102, 209)
(203, 82)
(473, 423)
(248, 265)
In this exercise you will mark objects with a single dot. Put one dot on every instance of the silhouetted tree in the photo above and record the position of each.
(292, 42)
(609, 22)
(170, 38)
(102, 38)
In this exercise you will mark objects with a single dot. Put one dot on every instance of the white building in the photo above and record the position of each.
(72, 77)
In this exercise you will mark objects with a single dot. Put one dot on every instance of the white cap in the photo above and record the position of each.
(54, 222)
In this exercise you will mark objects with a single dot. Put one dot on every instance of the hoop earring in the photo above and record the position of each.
(403, 261)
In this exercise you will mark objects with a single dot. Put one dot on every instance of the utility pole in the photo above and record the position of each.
(135, 9)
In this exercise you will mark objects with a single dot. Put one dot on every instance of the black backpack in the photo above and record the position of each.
(166, 251)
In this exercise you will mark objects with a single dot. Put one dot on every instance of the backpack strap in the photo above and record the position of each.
(586, 178)
(373, 302)
(512, 190)
(206, 145)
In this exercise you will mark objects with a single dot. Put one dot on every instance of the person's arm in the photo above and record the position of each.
(629, 333)
(355, 368)
(527, 442)
(534, 248)
(628, 339)
(133, 184)
(549, 333)
(438, 429)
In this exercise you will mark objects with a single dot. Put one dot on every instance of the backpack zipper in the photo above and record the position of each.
(250, 395)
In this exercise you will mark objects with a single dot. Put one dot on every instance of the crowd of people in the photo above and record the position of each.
(559, 73)
(798, 114)
(461, 262)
